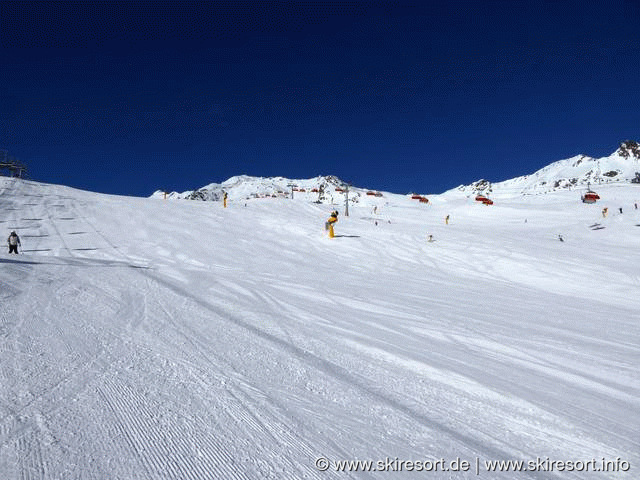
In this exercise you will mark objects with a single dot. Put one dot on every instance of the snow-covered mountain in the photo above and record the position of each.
(321, 189)
(245, 187)
(622, 166)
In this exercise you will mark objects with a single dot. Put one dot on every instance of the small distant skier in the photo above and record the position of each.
(560, 238)
(620, 209)
(636, 205)
(430, 239)
(446, 220)
(605, 210)
(13, 241)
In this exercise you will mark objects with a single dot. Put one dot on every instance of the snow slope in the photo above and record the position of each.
(151, 339)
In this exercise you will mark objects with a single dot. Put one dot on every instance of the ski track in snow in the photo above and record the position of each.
(179, 340)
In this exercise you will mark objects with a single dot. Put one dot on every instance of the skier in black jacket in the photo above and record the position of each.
(13, 241)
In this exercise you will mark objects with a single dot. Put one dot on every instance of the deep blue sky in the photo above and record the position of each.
(127, 98)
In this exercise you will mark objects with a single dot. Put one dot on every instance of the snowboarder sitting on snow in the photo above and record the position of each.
(13, 241)
(329, 224)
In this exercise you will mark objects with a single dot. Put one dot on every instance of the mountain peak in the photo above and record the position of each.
(579, 171)
(629, 148)
(246, 187)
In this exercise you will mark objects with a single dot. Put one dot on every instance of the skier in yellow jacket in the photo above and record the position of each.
(329, 225)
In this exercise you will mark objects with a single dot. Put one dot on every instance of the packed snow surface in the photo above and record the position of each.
(143, 338)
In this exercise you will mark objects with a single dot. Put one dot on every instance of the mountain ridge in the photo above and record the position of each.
(579, 171)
